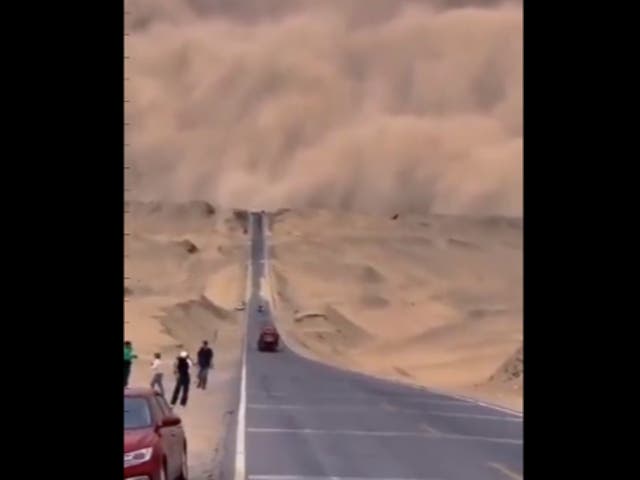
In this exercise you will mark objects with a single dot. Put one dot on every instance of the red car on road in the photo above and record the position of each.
(155, 445)
(268, 339)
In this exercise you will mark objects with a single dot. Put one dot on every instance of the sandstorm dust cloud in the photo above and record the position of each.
(368, 105)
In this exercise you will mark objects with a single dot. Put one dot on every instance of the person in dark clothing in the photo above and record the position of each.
(129, 356)
(205, 360)
(183, 379)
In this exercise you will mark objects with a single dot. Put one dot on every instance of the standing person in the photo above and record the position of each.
(129, 356)
(183, 379)
(205, 358)
(156, 374)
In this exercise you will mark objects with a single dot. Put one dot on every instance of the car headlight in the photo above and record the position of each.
(137, 457)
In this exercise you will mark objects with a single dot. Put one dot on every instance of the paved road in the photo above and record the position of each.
(304, 420)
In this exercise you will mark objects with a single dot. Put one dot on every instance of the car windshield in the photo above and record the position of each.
(136, 413)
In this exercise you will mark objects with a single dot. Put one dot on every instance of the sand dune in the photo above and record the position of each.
(186, 264)
(173, 249)
(434, 300)
(331, 329)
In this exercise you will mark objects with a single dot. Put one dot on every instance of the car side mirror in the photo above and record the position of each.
(171, 421)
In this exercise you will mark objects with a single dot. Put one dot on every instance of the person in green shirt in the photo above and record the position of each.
(129, 356)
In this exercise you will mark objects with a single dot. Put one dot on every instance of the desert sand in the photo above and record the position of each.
(186, 265)
(430, 300)
(426, 299)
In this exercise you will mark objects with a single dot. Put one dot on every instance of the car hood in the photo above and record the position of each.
(139, 438)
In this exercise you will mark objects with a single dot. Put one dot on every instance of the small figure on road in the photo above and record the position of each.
(205, 360)
(129, 356)
(156, 374)
(183, 379)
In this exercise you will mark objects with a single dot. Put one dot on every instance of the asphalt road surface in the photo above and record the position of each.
(299, 419)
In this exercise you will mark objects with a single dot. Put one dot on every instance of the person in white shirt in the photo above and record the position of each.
(156, 374)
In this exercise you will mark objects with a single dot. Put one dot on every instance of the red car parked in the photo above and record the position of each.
(155, 446)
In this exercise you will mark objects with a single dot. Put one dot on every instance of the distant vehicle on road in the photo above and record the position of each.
(260, 309)
(269, 339)
(155, 445)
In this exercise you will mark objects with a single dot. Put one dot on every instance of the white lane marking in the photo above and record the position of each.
(421, 401)
(358, 396)
(380, 397)
(442, 402)
(319, 395)
(483, 404)
(364, 433)
(505, 471)
(302, 477)
(239, 471)
(386, 407)
(349, 408)
(332, 408)
(288, 407)
(429, 429)
(240, 454)
(471, 415)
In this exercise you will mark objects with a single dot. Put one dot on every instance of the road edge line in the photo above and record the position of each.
(239, 471)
